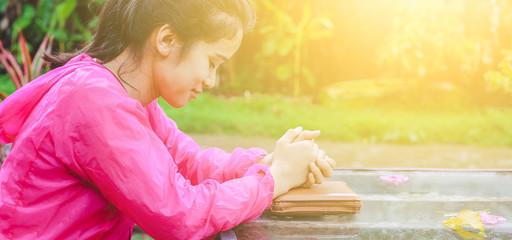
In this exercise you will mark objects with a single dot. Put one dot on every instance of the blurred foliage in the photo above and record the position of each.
(429, 39)
(313, 48)
(282, 35)
(502, 79)
(7, 87)
(30, 68)
(426, 44)
(70, 22)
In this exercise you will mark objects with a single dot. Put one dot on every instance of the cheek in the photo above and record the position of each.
(165, 79)
(177, 79)
(196, 66)
(191, 75)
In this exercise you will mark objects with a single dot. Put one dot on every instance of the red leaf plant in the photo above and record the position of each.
(31, 68)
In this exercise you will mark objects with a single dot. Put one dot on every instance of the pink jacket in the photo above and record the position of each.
(88, 162)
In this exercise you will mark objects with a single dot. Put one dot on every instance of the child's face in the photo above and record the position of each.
(179, 80)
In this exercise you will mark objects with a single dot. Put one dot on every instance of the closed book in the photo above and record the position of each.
(330, 197)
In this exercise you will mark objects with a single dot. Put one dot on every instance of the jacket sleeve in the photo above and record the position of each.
(108, 140)
(195, 164)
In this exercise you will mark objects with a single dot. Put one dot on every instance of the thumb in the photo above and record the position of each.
(307, 135)
(290, 135)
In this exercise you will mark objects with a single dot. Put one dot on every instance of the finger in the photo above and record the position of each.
(331, 162)
(310, 181)
(290, 135)
(307, 135)
(319, 178)
(321, 157)
(325, 167)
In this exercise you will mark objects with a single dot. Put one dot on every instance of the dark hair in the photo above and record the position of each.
(128, 23)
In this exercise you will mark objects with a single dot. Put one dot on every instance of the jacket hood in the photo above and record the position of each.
(16, 108)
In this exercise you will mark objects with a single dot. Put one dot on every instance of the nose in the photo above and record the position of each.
(210, 81)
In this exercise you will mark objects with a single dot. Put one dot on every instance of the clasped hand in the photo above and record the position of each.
(297, 161)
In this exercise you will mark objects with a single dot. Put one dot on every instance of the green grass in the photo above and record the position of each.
(349, 121)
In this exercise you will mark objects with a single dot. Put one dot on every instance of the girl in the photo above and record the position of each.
(93, 153)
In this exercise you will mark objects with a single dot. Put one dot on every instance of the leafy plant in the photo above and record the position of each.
(69, 21)
(31, 67)
(3, 5)
(502, 79)
(286, 37)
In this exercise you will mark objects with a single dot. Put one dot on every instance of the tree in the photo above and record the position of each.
(286, 38)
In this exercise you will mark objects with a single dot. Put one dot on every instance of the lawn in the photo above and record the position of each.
(350, 121)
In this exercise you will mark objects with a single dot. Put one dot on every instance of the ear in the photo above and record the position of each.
(165, 39)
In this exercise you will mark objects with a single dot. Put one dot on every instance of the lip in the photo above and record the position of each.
(195, 92)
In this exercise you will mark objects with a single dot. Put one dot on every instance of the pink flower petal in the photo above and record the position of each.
(395, 179)
(489, 219)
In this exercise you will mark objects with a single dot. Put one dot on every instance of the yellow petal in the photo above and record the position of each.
(469, 218)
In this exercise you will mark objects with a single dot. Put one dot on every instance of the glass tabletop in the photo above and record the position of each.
(403, 211)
